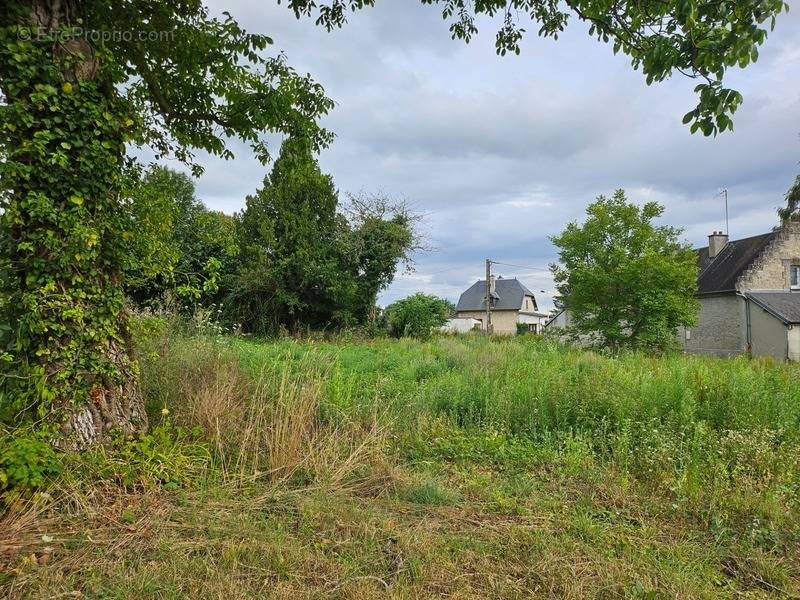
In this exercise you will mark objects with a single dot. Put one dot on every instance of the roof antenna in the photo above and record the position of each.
(724, 192)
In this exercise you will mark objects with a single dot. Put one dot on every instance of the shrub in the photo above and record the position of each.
(417, 315)
(26, 461)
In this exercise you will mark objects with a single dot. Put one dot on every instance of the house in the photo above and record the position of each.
(749, 293)
(460, 325)
(511, 303)
(562, 319)
(559, 320)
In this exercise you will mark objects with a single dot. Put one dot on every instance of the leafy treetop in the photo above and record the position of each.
(790, 211)
(180, 247)
(627, 282)
(194, 80)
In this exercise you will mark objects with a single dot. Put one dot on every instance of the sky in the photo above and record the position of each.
(499, 153)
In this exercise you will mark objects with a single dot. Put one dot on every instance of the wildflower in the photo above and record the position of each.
(165, 411)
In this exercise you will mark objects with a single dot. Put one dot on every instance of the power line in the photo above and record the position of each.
(494, 262)
(520, 266)
(443, 271)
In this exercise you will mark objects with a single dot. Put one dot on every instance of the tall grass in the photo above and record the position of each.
(525, 387)
(712, 433)
(502, 460)
(266, 422)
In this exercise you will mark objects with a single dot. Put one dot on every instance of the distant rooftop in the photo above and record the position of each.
(508, 292)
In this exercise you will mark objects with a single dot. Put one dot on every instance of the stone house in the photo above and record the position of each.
(749, 293)
(511, 303)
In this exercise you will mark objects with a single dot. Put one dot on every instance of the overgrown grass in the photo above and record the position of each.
(458, 467)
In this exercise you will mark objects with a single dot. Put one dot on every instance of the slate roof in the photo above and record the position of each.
(720, 274)
(783, 305)
(509, 295)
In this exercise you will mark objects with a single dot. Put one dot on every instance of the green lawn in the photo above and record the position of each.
(458, 467)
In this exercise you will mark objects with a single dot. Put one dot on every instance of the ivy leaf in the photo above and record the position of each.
(77, 200)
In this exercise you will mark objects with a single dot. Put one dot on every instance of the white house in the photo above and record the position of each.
(511, 303)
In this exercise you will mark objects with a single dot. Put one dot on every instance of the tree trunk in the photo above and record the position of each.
(62, 224)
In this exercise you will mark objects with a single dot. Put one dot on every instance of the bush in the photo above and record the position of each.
(417, 315)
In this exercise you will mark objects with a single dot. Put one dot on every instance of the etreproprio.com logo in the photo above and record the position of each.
(94, 35)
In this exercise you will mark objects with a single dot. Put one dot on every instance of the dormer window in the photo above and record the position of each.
(794, 277)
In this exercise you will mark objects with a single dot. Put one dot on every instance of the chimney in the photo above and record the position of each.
(716, 242)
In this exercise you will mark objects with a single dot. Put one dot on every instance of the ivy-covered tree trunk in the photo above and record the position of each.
(64, 127)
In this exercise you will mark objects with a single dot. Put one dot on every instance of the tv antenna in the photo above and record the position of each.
(724, 193)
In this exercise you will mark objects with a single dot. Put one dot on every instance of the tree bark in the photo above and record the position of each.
(72, 348)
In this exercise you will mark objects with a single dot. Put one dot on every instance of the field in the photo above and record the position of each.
(457, 467)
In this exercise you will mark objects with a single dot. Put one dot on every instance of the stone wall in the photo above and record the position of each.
(721, 328)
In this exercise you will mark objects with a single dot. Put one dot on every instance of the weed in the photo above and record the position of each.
(431, 493)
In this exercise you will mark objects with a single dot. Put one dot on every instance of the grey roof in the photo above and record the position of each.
(782, 305)
(509, 292)
(720, 273)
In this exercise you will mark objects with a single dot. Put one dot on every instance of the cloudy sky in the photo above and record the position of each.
(500, 153)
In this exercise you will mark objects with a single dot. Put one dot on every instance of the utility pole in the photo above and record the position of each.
(488, 327)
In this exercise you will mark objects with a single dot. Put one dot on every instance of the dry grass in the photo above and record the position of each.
(278, 542)
(270, 427)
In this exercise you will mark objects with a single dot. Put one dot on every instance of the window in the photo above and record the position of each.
(533, 327)
(794, 277)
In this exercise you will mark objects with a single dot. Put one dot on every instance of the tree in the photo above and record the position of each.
(80, 79)
(700, 39)
(303, 263)
(418, 315)
(627, 282)
(195, 245)
(382, 234)
(790, 211)
(290, 259)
